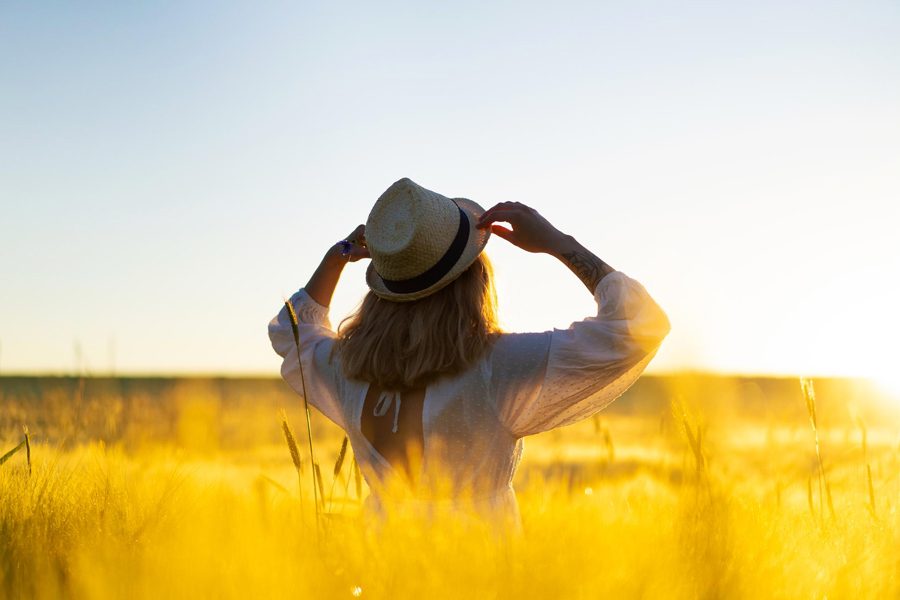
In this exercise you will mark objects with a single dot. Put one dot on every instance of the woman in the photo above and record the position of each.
(429, 391)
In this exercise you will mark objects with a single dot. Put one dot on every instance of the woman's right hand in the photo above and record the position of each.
(530, 231)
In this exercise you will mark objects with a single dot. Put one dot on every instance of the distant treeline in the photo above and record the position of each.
(222, 412)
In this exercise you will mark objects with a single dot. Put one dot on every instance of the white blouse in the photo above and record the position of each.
(473, 422)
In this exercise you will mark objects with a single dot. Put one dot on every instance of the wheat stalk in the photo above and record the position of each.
(295, 328)
(12, 452)
(694, 437)
(27, 448)
(809, 496)
(318, 478)
(864, 440)
(809, 394)
(295, 455)
(292, 443)
(340, 459)
(608, 442)
(863, 431)
(338, 464)
(24, 444)
(871, 491)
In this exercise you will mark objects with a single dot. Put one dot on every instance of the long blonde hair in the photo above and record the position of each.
(404, 345)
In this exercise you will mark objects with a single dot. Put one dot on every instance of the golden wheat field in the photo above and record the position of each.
(687, 487)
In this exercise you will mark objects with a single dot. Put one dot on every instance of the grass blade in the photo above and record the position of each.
(12, 452)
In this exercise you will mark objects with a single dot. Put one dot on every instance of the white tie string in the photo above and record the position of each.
(384, 404)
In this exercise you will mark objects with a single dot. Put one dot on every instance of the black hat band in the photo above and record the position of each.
(440, 268)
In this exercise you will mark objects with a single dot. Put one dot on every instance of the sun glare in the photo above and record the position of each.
(888, 385)
(882, 367)
(854, 338)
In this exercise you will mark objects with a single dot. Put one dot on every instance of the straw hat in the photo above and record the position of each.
(420, 241)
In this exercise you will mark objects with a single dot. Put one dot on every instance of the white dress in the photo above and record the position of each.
(474, 422)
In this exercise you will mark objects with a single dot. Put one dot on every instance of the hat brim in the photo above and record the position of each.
(478, 239)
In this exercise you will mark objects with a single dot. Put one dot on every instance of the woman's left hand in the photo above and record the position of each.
(356, 248)
(322, 283)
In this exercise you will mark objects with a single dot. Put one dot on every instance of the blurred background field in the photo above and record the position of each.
(688, 486)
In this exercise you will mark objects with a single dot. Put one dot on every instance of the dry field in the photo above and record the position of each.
(687, 487)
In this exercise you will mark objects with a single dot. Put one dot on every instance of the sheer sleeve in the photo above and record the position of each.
(321, 374)
(541, 381)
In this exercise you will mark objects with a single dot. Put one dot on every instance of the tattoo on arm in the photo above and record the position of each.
(589, 269)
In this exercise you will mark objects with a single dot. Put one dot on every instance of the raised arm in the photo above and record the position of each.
(320, 286)
(311, 369)
(533, 233)
(540, 381)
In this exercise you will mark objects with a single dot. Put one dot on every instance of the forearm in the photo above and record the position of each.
(581, 261)
(322, 283)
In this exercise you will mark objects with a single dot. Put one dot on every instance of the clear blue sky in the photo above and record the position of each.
(168, 171)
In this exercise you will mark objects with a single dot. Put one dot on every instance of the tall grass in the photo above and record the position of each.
(110, 521)
(98, 523)
(809, 395)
